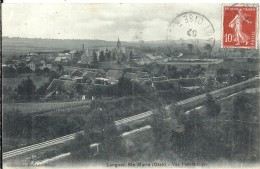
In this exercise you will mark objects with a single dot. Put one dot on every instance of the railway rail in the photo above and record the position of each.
(191, 102)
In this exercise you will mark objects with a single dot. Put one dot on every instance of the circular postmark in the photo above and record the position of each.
(191, 31)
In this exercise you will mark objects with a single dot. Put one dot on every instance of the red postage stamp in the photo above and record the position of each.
(239, 29)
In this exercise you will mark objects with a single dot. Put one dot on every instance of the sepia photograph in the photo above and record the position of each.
(130, 85)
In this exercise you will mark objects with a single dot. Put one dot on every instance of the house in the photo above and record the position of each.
(101, 81)
(76, 73)
(189, 82)
(149, 58)
(72, 52)
(89, 75)
(114, 75)
(142, 74)
(131, 76)
(61, 86)
(81, 89)
(32, 66)
(142, 80)
(65, 77)
(58, 59)
(155, 58)
(64, 59)
(78, 79)
(46, 64)
(158, 79)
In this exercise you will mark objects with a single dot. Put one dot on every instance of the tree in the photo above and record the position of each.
(114, 56)
(102, 56)
(60, 68)
(213, 109)
(108, 56)
(66, 51)
(190, 47)
(80, 147)
(161, 131)
(210, 83)
(26, 89)
(41, 91)
(208, 47)
(94, 61)
(46, 70)
(131, 58)
(9, 71)
(111, 146)
(243, 114)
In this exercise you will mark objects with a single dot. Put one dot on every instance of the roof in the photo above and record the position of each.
(142, 74)
(142, 80)
(83, 86)
(101, 78)
(66, 85)
(163, 85)
(129, 75)
(89, 74)
(76, 73)
(188, 82)
(58, 59)
(152, 57)
(65, 77)
(161, 78)
(116, 74)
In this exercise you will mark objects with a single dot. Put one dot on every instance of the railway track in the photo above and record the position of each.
(39, 146)
(140, 116)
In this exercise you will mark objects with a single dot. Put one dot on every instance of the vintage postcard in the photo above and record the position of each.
(127, 85)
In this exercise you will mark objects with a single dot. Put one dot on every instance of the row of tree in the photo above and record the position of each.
(209, 135)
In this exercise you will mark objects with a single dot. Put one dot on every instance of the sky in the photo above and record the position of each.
(129, 22)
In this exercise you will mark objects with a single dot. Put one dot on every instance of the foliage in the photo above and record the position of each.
(210, 83)
(102, 56)
(80, 147)
(41, 91)
(111, 146)
(9, 71)
(161, 131)
(190, 46)
(15, 124)
(208, 47)
(94, 61)
(243, 136)
(211, 137)
(212, 108)
(26, 90)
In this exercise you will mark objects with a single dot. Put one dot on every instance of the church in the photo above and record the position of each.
(110, 53)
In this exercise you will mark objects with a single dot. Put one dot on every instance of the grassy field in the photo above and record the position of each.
(49, 107)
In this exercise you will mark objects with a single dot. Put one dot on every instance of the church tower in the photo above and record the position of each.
(118, 45)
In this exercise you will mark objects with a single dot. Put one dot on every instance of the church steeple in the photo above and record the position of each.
(118, 44)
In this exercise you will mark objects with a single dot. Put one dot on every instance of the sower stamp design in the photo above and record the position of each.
(239, 29)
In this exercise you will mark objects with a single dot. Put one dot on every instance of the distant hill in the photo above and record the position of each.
(18, 46)
(14, 46)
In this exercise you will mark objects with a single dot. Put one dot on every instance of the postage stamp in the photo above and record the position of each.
(239, 26)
